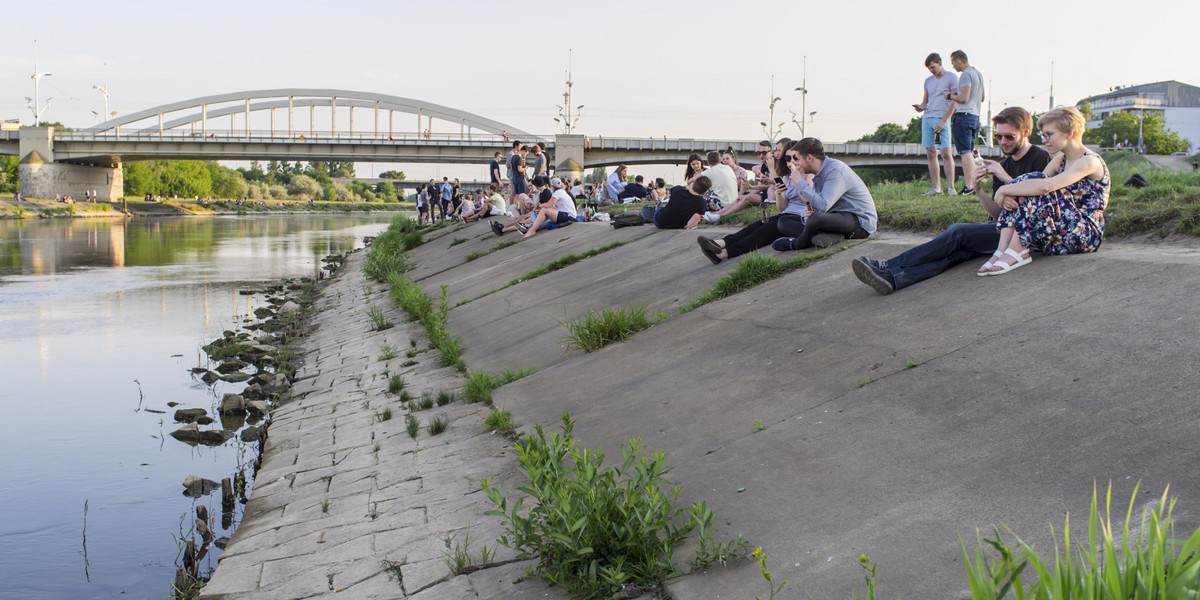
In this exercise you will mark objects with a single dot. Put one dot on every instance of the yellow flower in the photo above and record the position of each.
(756, 552)
(864, 558)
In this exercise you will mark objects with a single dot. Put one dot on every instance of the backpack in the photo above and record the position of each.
(628, 219)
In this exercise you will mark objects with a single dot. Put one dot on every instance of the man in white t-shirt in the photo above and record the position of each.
(724, 181)
(556, 207)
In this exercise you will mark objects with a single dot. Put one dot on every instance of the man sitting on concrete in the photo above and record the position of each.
(839, 205)
(963, 241)
(554, 207)
(528, 209)
(490, 206)
(634, 192)
(724, 181)
(686, 207)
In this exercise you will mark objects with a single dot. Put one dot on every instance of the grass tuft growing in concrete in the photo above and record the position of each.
(758, 268)
(561, 262)
(594, 330)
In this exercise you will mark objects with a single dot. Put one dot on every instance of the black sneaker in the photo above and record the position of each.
(966, 191)
(496, 228)
(825, 240)
(875, 274)
(783, 244)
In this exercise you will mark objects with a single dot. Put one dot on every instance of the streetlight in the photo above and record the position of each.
(566, 122)
(37, 77)
(104, 90)
(766, 128)
(803, 89)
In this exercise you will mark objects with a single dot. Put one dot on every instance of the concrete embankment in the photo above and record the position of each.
(893, 425)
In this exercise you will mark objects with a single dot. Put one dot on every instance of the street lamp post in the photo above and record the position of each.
(803, 89)
(769, 130)
(36, 107)
(104, 90)
(566, 122)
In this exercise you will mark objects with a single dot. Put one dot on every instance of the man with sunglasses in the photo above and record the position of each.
(963, 241)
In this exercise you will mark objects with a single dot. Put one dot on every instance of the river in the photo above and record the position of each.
(100, 321)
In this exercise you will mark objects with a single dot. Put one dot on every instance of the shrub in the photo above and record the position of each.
(277, 192)
(439, 425)
(303, 185)
(595, 529)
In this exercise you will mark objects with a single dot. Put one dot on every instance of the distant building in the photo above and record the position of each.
(1178, 103)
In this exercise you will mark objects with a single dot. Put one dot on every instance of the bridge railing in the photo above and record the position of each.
(296, 136)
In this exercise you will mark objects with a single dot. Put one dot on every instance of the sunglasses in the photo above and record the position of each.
(1047, 135)
(793, 158)
(762, 152)
(1008, 137)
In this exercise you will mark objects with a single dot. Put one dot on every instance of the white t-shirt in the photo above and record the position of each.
(564, 203)
(724, 182)
(498, 205)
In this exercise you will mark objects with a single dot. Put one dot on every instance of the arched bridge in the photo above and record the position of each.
(295, 124)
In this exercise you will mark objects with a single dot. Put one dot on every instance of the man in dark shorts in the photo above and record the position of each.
(517, 164)
(962, 241)
(686, 207)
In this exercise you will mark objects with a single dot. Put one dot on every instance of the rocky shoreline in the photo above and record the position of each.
(47, 209)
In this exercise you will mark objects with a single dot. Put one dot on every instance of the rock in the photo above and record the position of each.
(288, 308)
(232, 404)
(172, 404)
(266, 340)
(189, 433)
(189, 415)
(205, 420)
(236, 377)
(253, 391)
(194, 487)
(202, 512)
(215, 437)
(227, 334)
(209, 377)
(263, 312)
(221, 542)
(203, 530)
(261, 407)
(199, 370)
(250, 434)
(231, 366)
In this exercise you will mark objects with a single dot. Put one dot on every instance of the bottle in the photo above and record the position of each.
(978, 160)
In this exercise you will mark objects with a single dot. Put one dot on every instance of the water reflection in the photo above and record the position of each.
(94, 314)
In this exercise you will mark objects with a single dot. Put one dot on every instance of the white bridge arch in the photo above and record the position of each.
(197, 113)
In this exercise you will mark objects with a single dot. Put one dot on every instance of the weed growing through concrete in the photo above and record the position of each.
(325, 505)
(388, 251)
(412, 342)
(411, 353)
(439, 425)
(426, 401)
(561, 262)
(377, 448)
(444, 398)
(408, 295)
(760, 556)
(479, 384)
(758, 268)
(910, 365)
(385, 415)
(865, 382)
(477, 254)
(393, 570)
(500, 421)
(758, 426)
(458, 559)
(594, 330)
(458, 241)
(379, 320)
(406, 397)
(413, 425)
(594, 529)
(387, 352)
(408, 363)
(395, 384)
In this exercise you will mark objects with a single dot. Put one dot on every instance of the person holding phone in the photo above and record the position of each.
(839, 205)
(937, 108)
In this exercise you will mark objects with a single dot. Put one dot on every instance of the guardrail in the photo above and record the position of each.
(256, 135)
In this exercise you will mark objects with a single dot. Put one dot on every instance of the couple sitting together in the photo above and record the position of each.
(821, 202)
(1052, 203)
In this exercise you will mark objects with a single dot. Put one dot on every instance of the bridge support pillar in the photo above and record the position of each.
(568, 156)
(41, 177)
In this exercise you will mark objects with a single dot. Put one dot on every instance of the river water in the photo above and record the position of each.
(100, 321)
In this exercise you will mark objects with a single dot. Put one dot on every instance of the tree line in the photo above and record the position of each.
(279, 180)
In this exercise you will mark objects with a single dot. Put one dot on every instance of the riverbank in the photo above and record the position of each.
(49, 209)
(819, 419)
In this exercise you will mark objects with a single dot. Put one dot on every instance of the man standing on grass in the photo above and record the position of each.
(965, 126)
(963, 241)
(937, 108)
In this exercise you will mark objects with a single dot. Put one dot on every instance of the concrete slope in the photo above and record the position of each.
(1023, 389)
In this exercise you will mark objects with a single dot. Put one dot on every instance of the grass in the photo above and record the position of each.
(426, 401)
(388, 253)
(458, 241)
(444, 398)
(758, 425)
(395, 384)
(412, 353)
(386, 415)
(413, 425)
(325, 505)
(477, 254)
(594, 330)
(479, 384)
(561, 262)
(500, 421)
(379, 320)
(406, 397)
(408, 363)
(865, 382)
(757, 268)
(387, 352)
(408, 295)
(439, 425)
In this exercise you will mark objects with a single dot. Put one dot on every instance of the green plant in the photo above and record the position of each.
(594, 330)
(387, 352)
(910, 365)
(458, 241)
(761, 557)
(377, 448)
(479, 384)
(426, 401)
(413, 425)
(408, 363)
(378, 319)
(559, 263)
(406, 396)
(413, 343)
(757, 268)
(477, 254)
(395, 384)
(458, 558)
(865, 382)
(500, 421)
(865, 562)
(439, 425)
(325, 505)
(1108, 564)
(412, 353)
(408, 295)
(393, 570)
(594, 529)
(758, 425)
(385, 415)
(444, 397)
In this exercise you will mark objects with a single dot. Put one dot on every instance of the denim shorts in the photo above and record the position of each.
(927, 136)
(518, 183)
(965, 127)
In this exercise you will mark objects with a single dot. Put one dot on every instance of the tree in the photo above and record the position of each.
(1124, 126)
(303, 185)
(9, 173)
(226, 182)
(597, 175)
(183, 178)
(387, 191)
(392, 175)
(341, 169)
(892, 133)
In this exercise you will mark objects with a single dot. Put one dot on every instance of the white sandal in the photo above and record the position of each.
(1005, 267)
(987, 266)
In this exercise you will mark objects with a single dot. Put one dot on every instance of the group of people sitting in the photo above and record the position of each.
(1050, 199)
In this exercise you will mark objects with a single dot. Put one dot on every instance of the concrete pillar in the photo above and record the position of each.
(37, 139)
(569, 156)
(41, 179)
(291, 99)
(248, 117)
(204, 120)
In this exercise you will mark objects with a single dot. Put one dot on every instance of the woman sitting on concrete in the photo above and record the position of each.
(1059, 211)
(615, 183)
(550, 210)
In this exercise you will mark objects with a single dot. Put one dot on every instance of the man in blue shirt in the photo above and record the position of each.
(447, 195)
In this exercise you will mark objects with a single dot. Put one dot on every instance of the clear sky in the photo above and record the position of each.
(648, 68)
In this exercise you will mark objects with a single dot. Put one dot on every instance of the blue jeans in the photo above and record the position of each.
(958, 244)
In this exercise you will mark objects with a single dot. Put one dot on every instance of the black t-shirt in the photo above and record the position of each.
(633, 190)
(1035, 159)
(494, 171)
(679, 209)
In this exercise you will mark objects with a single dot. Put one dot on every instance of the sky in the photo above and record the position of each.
(698, 69)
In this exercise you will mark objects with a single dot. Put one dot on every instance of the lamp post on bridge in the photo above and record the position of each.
(566, 122)
(104, 90)
(772, 130)
(36, 106)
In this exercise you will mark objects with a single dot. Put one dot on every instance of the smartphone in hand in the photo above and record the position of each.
(778, 181)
